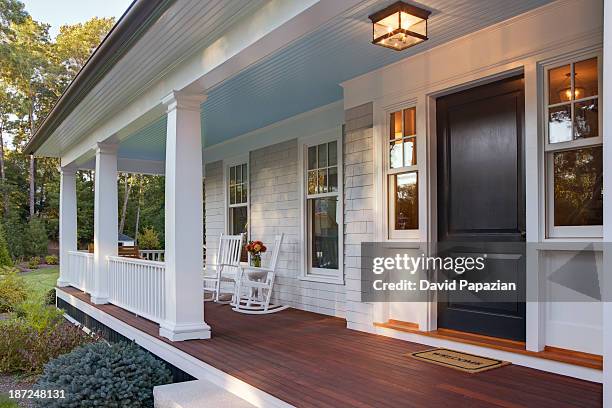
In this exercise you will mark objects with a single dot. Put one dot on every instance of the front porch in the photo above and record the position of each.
(306, 359)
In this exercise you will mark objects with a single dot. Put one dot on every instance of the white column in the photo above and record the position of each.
(607, 206)
(105, 217)
(67, 220)
(183, 222)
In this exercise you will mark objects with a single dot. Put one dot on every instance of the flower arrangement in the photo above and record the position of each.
(256, 248)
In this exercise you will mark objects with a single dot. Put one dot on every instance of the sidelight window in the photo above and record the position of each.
(574, 166)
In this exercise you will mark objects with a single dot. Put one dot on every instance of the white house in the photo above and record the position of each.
(298, 124)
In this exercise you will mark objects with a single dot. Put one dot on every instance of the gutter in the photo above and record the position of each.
(132, 25)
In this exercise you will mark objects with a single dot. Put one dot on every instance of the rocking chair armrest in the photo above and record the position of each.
(255, 268)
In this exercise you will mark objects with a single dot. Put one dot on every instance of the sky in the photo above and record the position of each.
(60, 12)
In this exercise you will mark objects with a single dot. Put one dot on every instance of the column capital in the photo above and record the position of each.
(182, 100)
(68, 170)
(106, 147)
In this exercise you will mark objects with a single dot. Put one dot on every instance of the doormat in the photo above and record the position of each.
(468, 363)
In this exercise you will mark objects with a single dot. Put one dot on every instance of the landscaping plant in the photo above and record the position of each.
(99, 374)
(51, 260)
(13, 289)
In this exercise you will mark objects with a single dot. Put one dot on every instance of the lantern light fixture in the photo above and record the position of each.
(399, 26)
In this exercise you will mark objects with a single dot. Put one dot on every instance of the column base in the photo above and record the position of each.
(62, 283)
(99, 299)
(185, 331)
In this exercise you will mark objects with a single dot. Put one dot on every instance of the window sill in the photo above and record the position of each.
(568, 244)
(334, 280)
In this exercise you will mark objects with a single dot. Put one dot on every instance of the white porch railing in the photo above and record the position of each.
(80, 271)
(137, 285)
(152, 254)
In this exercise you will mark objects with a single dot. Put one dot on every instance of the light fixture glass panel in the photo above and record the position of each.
(560, 124)
(386, 25)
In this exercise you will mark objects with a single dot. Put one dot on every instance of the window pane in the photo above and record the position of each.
(395, 125)
(322, 181)
(395, 154)
(238, 174)
(410, 151)
(312, 182)
(333, 153)
(410, 122)
(586, 121)
(232, 175)
(322, 150)
(585, 78)
(406, 201)
(324, 232)
(238, 220)
(559, 85)
(333, 179)
(232, 191)
(239, 193)
(560, 124)
(312, 157)
(578, 182)
(244, 198)
(244, 173)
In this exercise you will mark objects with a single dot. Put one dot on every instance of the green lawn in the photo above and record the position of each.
(40, 281)
(6, 402)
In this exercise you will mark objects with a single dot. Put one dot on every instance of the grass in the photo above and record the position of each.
(42, 280)
(6, 402)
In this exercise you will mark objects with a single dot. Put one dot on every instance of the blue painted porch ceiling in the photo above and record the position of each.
(307, 73)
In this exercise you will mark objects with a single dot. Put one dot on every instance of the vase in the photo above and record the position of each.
(256, 261)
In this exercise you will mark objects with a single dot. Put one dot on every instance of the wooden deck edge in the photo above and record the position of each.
(561, 355)
(178, 358)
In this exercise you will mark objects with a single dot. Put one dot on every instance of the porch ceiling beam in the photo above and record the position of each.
(274, 26)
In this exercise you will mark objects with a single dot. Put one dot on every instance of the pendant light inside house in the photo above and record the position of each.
(399, 26)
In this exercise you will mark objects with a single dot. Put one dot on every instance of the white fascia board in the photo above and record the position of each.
(269, 29)
(135, 166)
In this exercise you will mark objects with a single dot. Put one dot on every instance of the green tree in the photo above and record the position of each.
(148, 239)
(36, 240)
(5, 256)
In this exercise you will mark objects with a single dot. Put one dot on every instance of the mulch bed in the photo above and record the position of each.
(10, 382)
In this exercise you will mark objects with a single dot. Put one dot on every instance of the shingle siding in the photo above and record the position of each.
(359, 193)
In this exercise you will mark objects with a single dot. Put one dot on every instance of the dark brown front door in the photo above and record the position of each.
(481, 199)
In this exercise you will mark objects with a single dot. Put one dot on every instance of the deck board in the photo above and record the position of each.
(307, 359)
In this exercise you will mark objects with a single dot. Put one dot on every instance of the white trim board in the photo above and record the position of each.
(178, 358)
(583, 373)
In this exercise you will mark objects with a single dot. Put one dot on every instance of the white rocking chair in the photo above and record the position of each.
(227, 268)
(255, 284)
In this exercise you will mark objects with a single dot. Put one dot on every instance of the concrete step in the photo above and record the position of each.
(196, 394)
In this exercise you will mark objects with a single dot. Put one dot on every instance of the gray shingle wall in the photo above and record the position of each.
(359, 195)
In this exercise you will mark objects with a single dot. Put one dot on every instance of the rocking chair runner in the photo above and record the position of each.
(255, 284)
(226, 268)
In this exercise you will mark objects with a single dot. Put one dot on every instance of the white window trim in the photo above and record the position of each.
(556, 232)
(331, 276)
(227, 163)
(389, 233)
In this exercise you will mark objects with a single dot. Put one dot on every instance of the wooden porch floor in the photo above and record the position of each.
(307, 359)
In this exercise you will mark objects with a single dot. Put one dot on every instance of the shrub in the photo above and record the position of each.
(13, 289)
(5, 255)
(25, 350)
(37, 241)
(38, 315)
(98, 374)
(16, 239)
(149, 239)
(49, 297)
(34, 262)
(51, 260)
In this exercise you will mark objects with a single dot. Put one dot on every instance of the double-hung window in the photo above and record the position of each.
(574, 167)
(238, 198)
(402, 175)
(323, 211)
